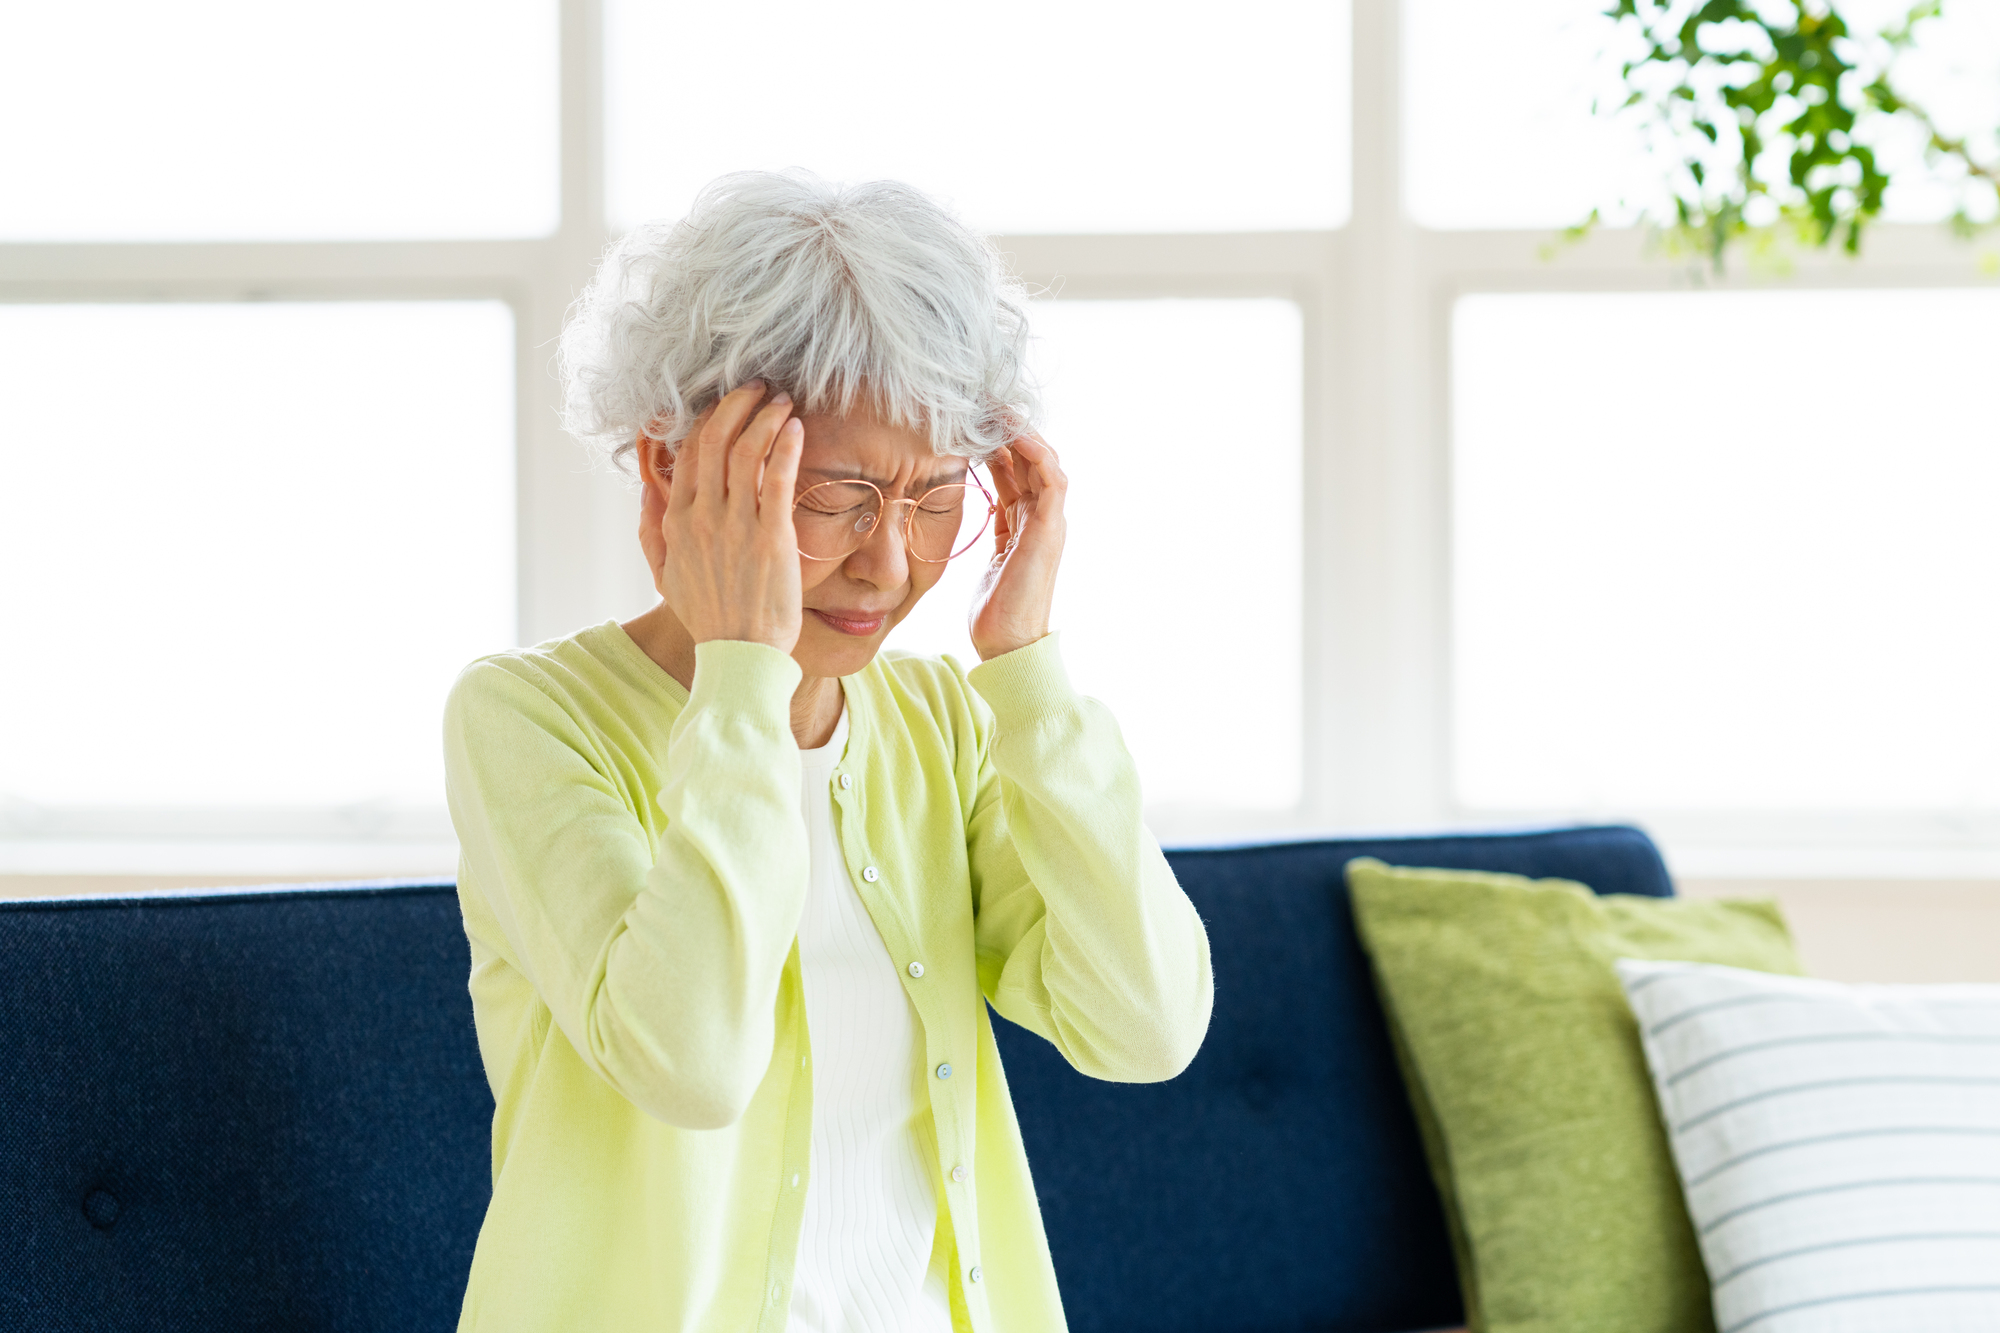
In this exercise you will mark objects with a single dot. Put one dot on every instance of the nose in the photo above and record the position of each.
(883, 558)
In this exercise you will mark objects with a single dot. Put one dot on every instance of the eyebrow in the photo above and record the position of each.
(852, 474)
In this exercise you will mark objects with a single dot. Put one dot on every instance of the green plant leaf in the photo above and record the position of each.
(1779, 128)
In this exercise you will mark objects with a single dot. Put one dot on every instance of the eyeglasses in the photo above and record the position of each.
(835, 518)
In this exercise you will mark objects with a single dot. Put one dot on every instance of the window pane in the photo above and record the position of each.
(233, 120)
(1048, 116)
(1179, 603)
(1497, 124)
(244, 549)
(1499, 132)
(1696, 568)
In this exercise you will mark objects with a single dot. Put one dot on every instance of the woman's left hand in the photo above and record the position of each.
(1011, 608)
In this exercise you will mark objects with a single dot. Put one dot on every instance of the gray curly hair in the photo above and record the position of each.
(822, 290)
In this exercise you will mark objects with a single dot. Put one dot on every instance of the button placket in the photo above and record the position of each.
(871, 873)
(796, 1157)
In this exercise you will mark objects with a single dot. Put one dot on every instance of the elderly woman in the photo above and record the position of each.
(739, 885)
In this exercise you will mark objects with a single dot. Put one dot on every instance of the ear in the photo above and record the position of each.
(656, 468)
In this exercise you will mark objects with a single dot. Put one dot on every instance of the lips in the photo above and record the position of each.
(858, 623)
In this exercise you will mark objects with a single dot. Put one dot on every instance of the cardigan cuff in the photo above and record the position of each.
(1027, 684)
(744, 674)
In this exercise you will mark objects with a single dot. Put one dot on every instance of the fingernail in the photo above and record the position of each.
(780, 398)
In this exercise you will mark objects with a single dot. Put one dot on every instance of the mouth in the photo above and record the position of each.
(859, 624)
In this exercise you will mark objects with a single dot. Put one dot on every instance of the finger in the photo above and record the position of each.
(725, 422)
(1034, 451)
(781, 474)
(682, 469)
(683, 465)
(652, 532)
(1047, 481)
(1006, 488)
(746, 456)
(652, 504)
(1000, 468)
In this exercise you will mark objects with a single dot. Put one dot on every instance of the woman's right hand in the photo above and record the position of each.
(725, 557)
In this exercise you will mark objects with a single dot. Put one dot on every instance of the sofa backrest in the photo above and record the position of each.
(265, 1109)
(1278, 1183)
(235, 1111)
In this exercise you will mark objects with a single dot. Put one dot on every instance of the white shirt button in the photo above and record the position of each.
(846, 781)
(944, 1071)
(871, 874)
(916, 969)
(958, 1174)
(975, 1274)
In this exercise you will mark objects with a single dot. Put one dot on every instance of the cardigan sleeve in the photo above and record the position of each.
(660, 964)
(1083, 935)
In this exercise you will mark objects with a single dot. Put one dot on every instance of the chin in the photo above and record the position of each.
(828, 652)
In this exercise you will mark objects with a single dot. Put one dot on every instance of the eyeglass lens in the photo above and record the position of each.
(834, 518)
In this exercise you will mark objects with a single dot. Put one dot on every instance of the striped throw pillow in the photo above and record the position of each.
(1839, 1145)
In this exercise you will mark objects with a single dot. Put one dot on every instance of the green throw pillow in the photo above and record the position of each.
(1531, 1091)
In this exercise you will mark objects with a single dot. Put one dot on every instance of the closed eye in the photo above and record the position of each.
(815, 506)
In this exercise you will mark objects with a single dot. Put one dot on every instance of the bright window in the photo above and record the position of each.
(1179, 603)
(1047, 116)
(1694, 568)
(1498, 128)
(236, 120)
(211, 215)
(247, 547)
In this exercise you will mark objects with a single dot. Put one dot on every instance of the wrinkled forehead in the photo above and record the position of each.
(860, 446)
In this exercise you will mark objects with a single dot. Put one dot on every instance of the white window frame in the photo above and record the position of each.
(1396, 704)
(1376, 296)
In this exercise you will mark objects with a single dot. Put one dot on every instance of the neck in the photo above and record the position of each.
(815, 704)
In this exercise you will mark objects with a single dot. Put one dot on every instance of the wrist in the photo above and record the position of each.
(745, 661)
(733, 626)
(766, 639)
(1001, 646)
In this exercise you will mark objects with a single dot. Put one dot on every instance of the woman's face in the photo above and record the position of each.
(852, 604)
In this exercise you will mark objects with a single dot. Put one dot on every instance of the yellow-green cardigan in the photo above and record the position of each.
(633, 868)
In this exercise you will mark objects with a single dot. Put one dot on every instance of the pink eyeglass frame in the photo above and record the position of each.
(884, 504)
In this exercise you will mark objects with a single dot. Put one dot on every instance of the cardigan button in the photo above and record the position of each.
(846, 781)
(870, 873)
(944, 1071)
(916, 969)
(975, 1274)
(958, 1175)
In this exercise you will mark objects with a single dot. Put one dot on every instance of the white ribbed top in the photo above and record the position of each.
(871, 1206)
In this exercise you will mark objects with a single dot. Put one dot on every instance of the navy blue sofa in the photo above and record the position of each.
(264, 1110)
